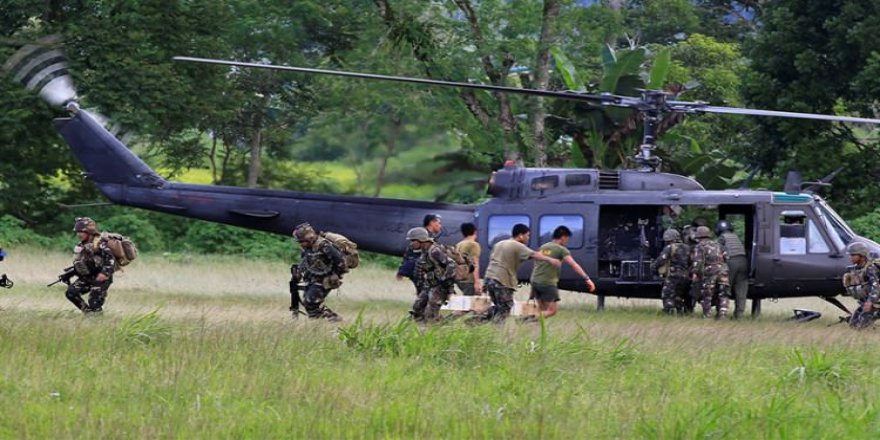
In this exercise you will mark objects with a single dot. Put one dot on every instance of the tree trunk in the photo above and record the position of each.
(542, 80)
(393, 135)
(255, 165)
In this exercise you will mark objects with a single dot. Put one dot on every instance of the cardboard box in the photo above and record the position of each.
(477, 304)
(524, 308)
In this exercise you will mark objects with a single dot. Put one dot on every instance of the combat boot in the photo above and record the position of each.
(331, 316)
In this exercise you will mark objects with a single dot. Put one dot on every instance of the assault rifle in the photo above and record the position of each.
(65, 277)
(295, 276)
(5, 282)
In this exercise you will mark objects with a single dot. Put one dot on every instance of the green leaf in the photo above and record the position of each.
(660, 70)
(608, 58)
(628, 64)
(577, 156)
(567, 69)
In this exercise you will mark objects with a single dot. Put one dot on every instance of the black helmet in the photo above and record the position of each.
(723, 226)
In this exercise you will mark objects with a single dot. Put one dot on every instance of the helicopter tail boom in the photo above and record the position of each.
(377, 225)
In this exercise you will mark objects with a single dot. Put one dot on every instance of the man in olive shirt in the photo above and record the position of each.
(545, 277)
(471, 247)
(507, 256)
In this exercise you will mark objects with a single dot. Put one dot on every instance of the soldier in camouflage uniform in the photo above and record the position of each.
(673, 265)
(709, 268)
(862, 282)
(737, 265)
(434, 274)
(321, 267)
(94, 264)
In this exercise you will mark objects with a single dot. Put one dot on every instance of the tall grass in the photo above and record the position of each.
(180, 363)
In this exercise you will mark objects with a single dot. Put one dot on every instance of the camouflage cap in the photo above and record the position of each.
(671, 235)
(857, 248)
(304, 232)
(419, 234)
(703, 232)
(85, 224)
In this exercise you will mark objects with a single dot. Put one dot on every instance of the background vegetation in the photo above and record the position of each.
(210, 124)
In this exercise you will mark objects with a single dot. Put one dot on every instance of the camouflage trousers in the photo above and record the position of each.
(427, 305)
(313, 300)
(97, 294)
(502, 301)
(675, 294)
(467, 289)
(715, 286)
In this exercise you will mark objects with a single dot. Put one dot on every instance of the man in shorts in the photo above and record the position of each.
(545, 277)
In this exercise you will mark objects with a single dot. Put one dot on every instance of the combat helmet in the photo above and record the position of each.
(703, 232)
(723, 226)
(85, 224)
(304, 232)
(857, 248)
(671, 235)
(419, 234)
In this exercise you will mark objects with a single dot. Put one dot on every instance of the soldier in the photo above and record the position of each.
(94, 264)
(862, 282)
(545, 277)
(321, 267)
(501, 280)
(709, 269)
(690, 238)
(737, 265)
(434, 274)
(673, 265)
(470, 246)
(432, 223)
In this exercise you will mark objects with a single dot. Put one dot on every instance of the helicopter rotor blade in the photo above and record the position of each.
(574, 96)
(696, 107)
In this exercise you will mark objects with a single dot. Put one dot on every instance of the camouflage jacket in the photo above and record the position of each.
(863, 282)
(434, 268)
(676, 256)
(93, 256)
(321, 260)
(708, 257)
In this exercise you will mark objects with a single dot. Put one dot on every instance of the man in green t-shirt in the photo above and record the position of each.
(507, 256)
(545, 277)
(471, 247)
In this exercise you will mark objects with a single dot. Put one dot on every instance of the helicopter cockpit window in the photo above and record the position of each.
(575, 223)
(544, 183)
(500, 226)
(799, 235)
(577, 180)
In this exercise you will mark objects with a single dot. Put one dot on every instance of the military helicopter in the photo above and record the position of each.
(795, 241)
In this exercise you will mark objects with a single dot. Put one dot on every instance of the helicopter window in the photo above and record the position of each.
(544, 183)
(577, 180)
(500, 226)
(799, 235)
(839, 231)
(815, 241)
(792, 233)
(575, 223)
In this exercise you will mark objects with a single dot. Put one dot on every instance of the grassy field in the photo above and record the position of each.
(205, 348)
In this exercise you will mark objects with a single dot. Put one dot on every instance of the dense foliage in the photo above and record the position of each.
(257, 128)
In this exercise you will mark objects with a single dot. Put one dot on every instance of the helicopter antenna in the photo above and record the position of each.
(652, 104)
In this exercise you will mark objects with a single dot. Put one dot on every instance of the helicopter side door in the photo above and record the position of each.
(804, 260)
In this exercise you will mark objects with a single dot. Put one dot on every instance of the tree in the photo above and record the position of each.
(821, 57)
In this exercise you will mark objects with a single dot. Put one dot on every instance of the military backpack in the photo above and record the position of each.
(122, 248)
(348, 248)
(464, 263)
